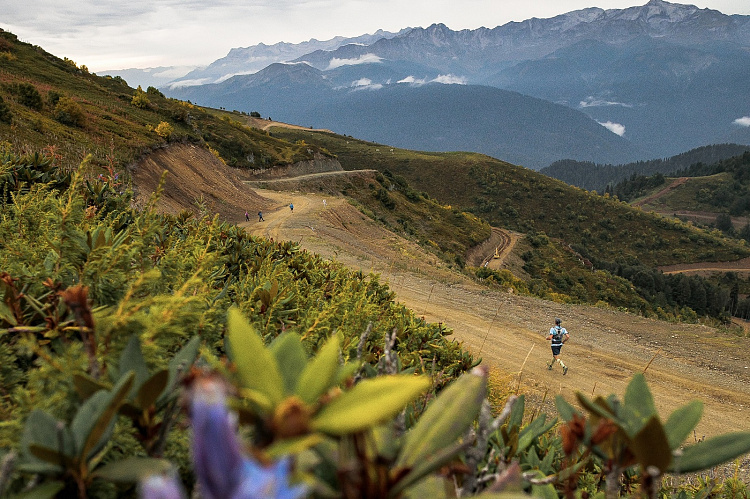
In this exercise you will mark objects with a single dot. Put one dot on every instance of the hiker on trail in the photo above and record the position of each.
(557, 335)
(247, 217)
(260, 217)
(324, 203)
(291, 206)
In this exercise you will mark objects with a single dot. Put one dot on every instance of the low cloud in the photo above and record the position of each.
(412, 81)
(744, 121)
(363, 59)
(591, 101)
(366, 84)
(450, 80)
(444, 79)
(613, 127)
(189, 83)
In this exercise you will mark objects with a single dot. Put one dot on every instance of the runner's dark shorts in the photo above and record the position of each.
(556, 349)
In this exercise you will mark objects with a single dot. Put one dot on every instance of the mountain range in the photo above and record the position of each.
(661, 78)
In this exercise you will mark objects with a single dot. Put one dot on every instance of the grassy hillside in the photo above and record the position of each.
(47, 102)
(520, 199)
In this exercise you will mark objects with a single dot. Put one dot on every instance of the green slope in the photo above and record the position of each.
(99, 116)
(517, 198)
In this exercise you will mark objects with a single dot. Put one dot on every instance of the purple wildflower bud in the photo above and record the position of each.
(268, 483)
(161, 487)
(217, 455)
(222, 470)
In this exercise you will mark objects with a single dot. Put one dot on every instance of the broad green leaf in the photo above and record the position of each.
(256, 398)
(651, 447)
(290, 357)
(319, 374)
(43, 429)
(132, 469)
(432, 486)
(516, 414)
(682, 422)
(179, 365)
(48, 455)
(96, 417)
(711, 452)
(369, 403)
(131, 359)
(47, 490)
(86, 386)
(445, 420)
(534, 430)
(256, 366)
(639, 405)
(152, 389)
(293, 446)
(6, 314)
(428, 465)
(599, 407)
(565, 409)
(347, 371)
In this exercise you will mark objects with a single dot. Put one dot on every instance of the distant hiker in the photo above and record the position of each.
(324, 203)
(291, 206)
(260, 217)
(247, 217)
(557, 335)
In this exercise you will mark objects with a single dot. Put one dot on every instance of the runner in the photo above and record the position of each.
(557, 335)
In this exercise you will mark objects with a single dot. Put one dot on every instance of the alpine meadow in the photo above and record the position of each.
(204, 302)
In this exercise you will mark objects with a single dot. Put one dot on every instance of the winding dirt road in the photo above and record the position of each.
(606, 348)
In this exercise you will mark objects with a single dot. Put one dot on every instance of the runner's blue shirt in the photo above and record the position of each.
(557, 332)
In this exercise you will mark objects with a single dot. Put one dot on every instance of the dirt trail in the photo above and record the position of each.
(607, 347)
(677, 182)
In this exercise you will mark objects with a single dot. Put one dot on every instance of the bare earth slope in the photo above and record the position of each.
(607, 347)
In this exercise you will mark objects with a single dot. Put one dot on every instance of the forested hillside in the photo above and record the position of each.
(591, 176)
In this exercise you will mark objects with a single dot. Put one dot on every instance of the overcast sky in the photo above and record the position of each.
(114, 34)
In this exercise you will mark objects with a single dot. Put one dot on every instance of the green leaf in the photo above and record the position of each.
(152, 389)
(534, 430)
(293, 446)
(290, 357)
(711, 452)
(651, 446)
(256, 366)
(132, 469)
(319, 374)
(369, 403)
(446, 419)
(179, 365)
(421, 469)
(44, 430)
(47, 490)
(131, 359)
(516, 414)
(96, 417)
(565, 409)
(347, 371)
(682, 422)
(48, 455)
(432, 486)
(6, 314)
(86, 386)
(639, 405)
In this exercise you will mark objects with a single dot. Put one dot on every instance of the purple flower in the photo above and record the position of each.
(222, 470)
(161, 487)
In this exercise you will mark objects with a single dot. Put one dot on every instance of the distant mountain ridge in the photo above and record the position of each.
(665, 77)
